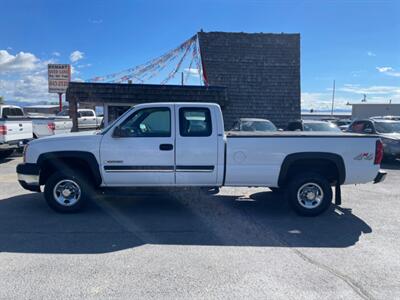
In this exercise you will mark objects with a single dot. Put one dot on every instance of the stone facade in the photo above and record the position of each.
(261, 73)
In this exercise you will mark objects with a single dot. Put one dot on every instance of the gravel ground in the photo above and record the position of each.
(241, 243)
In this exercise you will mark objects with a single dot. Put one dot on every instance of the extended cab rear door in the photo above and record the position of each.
(196, 145)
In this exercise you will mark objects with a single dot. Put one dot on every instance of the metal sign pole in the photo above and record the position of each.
(60, 101)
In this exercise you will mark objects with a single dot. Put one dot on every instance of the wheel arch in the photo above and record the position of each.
(68, 161)
(314, 160)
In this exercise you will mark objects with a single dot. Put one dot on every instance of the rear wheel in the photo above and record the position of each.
(310, 194)
(67, 193)
(5, 153)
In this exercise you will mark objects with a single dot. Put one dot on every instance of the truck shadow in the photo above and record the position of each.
(112, 223)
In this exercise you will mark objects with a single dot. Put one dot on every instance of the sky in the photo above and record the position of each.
(355, 43)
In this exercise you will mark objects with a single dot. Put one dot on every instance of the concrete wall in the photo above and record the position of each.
(261, 73)
(367, 110)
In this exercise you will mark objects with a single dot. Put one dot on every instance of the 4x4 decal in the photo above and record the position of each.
(366, 156)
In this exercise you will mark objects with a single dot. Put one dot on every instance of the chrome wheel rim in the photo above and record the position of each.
(310, 195)
(67, 192)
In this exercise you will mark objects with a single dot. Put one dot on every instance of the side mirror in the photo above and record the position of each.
(117, 132)
(368, 130)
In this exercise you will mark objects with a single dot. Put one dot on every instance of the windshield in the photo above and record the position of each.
(63, 113)
(323, 126)
(257, 126)
(387, 127)
(109, 126)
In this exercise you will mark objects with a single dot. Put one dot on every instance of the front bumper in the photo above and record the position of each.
(381, 176)
(28, 176)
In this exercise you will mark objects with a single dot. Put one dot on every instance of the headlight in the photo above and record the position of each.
(24, 152)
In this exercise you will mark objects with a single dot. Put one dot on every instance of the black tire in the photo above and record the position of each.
(298, 189)
(6, 153)
(86, 192)
(275, 190)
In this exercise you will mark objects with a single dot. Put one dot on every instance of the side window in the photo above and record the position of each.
(369, 126)
(18, 112)
(195, 121)
(86, 113)
(147, 122)
(357, 127)
(6, 112)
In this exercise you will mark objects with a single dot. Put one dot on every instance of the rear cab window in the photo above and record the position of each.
(12, 112)
(195, 122)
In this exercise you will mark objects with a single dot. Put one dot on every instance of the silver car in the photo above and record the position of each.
(388, 130)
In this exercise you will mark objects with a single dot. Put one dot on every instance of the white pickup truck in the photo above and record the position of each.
(87, 118)
(15, 130)
(184, 144)
(41, 125)
(48, 125)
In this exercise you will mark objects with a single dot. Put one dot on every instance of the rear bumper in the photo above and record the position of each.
(14, 144)
(380, 176)
(28, 176)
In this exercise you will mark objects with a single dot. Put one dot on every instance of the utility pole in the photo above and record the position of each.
(182, 78)
(60, 101)
(333, 97)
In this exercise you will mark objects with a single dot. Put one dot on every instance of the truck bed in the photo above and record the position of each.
(309, 134)
(257, 157)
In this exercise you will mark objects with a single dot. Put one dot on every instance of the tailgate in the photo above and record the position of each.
(17, 130)
(62, 125)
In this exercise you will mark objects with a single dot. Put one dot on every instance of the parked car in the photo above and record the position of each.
(184, 144)
(393, 118)
(87, 118)
(312, 125)
(388, 130)
(253, 124)
(343, 124)
(15, 129)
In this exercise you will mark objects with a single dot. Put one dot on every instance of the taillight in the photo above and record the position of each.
(3, 129)
(51, 126)
(378, 152)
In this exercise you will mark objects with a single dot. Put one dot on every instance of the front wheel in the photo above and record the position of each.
(67, 193)
(310, 194)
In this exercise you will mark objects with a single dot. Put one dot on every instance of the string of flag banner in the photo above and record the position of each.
(143, 73)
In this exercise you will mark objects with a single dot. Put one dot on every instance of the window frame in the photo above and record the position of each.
(165, 108)
(207, 115)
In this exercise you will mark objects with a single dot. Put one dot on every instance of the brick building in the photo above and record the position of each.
(261, 72)
(248, 74)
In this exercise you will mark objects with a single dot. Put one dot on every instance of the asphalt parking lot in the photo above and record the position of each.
(241, 243)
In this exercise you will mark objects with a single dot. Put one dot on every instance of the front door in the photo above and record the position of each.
(196, 145)
(141, 151)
